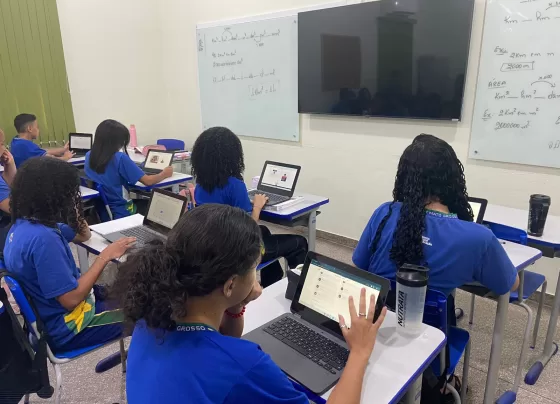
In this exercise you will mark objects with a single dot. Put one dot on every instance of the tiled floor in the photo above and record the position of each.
(82, 385)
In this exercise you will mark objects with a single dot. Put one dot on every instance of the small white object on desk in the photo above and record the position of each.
(285, 205)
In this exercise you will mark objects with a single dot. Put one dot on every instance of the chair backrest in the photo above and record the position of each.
(172, 144)
(146, 149)
(508, 233)
(103, 196)
(21, 300)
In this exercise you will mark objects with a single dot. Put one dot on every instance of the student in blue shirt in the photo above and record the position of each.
(218, 166)
(430, 223)
(109, 164)
(187, 297)
(47, 213)
(22, 146)
(6, 179)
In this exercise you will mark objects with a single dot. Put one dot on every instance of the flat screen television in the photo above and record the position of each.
(397, 58)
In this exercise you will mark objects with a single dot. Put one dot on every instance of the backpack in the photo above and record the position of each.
(23, 368)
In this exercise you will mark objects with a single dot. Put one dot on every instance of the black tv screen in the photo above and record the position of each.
(398, 58)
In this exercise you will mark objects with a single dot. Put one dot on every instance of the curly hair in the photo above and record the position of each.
(208, 245)
(47, 191)
(217, 154)
(429, 171)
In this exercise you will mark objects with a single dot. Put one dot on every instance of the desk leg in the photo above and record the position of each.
(312, 230)
(550, 347)
(175, 189)
(83, 259)
(414, 393)
(496, 349)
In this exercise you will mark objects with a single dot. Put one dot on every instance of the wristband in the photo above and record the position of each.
(238, 315)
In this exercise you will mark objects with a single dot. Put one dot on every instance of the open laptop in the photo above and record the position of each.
(278, 182)
(478, 206)
(157, 160)
(80, 143)
(163, 213)
(307, 343)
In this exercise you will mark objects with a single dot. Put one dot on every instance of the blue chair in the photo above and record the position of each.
(172, 144)
(529, 283)
(60, 357)
(458, 341)
(104, 200)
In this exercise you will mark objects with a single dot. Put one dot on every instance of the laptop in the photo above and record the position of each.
(278, 182)
(478, 206)
(157, 160)
(164, 212)
(307, 343)
(80, 143)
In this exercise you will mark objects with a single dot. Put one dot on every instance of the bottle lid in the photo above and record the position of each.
(413, 275)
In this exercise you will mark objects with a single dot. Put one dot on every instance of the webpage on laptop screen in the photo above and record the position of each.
(165, 210)
(158, 161)
(279, 177)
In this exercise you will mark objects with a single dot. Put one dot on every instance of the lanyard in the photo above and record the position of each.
(193, 327)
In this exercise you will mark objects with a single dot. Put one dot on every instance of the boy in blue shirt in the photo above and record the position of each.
(430, 223)
(187, 298)
(22, 146)
(109, 164)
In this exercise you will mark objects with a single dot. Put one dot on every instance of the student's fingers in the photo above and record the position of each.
(352, 308)
(380, 319)
(362, 305)
(343, 326)
(371, 310)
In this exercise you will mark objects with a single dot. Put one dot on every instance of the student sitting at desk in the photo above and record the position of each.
(217, 165)
(109, 164)
(7, 177)
(430, 223)
(47, 214)
(22, 146)
(187, 298)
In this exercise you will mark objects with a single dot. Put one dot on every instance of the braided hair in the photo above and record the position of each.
(429, 171)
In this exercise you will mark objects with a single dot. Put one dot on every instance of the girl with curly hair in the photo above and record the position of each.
(430, 223)
(47, 214)
(218, 166)
(186, 298)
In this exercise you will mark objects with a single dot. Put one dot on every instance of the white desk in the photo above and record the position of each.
(174, 180)
(302, 213)
(395, 364)
(77, 161)
(88, 193)
(550, 242)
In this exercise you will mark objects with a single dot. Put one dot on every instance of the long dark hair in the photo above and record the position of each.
(217, 154)
(206, 247)
(110, 137)
(429, 171)
(47, 191)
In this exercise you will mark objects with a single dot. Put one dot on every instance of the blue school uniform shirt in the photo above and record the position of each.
(202, 367)
(40, 257)
(456, 251)
(234, 193)
(120, 172)
(4, 193)
(23, 149)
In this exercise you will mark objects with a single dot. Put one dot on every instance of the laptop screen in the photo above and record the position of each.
(80, 142)
(165, 210)
(279, 177)
(478, 207)
(158, 160)
(326, 290)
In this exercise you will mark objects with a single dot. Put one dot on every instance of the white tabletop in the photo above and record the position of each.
(520, 255)
(395, 362)
(307, 203)
(176, 178)
(96, 244)
(88, 193)
(77, 161)
(518, 218)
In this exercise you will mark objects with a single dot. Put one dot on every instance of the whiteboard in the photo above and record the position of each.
(517, 108)
(248, 77)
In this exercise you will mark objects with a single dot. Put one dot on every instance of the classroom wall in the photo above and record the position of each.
(351, 160)
(114, 62)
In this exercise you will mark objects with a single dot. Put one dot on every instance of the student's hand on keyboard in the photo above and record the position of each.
(167, 172)
(362, 333)
(117, 249)
(67, 155)
(259, 201)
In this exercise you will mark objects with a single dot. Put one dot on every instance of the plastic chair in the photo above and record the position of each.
(172, 144)
(103, 196)
(60, 357)
(529, 283)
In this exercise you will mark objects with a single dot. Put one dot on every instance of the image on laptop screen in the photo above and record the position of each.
(165, 210)
(326, 290)
(279, 177)
(158, 160)
(80, 142)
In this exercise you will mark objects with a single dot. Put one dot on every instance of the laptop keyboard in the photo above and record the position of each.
(273, 199)
(142, 235)
(310, 343)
